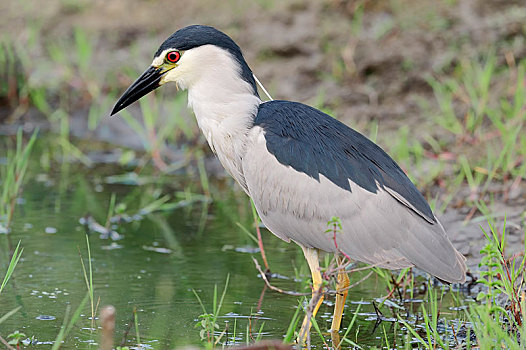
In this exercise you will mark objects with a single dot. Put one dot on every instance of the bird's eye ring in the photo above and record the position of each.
(173, 56)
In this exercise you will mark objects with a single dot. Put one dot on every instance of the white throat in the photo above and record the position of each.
(222, 110)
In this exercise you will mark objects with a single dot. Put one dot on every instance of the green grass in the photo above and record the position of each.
(501, 276)
(207, 324)
(15, 257)
(156, 132)
(88, 278)
(475, 135)
(493, 323)
(69, 322)
(136, 323)
(13, 177)
(12, 264)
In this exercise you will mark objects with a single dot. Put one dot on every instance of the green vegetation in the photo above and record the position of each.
(69, 323)
(88, 277)
(12, 264)
(13, 175)
(208, 321)
(481, 112)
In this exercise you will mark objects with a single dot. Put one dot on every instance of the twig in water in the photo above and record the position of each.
(261, 296)
(261, 249)
(266, 345)
(316, 295)
(455, 335)
(379, 317)
(6, 343)
(107, 320)
(264, 277)
(127, 330)
(260, 240)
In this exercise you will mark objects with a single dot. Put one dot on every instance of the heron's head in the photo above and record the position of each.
(191, 56)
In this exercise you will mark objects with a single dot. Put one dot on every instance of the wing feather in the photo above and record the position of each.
(314, 143)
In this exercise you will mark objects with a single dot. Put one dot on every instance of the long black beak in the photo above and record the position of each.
(147, 82)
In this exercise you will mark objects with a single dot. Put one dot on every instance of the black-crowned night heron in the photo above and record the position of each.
(300, 166)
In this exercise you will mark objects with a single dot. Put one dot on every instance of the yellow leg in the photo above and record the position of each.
(312, 259)
(341, 294)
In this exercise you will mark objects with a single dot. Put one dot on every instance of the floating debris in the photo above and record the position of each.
(45, 317)
(247, 249)
(50, 230)
(112, 246)
(157, 249)
(94, 226)
(244, 249)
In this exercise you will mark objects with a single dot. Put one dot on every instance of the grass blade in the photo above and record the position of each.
(12, 264)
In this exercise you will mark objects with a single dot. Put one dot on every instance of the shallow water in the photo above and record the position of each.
(155, 266)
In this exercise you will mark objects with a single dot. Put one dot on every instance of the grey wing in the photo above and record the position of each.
(377, 228)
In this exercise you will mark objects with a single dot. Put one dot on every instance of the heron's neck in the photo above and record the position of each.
(224, 111)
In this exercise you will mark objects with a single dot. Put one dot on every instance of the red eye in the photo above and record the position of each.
(173, 56)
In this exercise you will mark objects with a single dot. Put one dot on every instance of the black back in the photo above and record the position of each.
(314, 143)
(197, 35)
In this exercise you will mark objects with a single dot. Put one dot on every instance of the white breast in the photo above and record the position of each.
(225, 117)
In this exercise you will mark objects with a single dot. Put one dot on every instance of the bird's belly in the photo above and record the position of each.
(299, 207)
(304, 232)
(365, 234)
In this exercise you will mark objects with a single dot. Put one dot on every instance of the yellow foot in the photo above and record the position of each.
(341, 295)
(317, 294)
(335, 338)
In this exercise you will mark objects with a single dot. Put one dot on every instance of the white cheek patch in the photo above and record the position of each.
(159, 60)
(175, 75)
